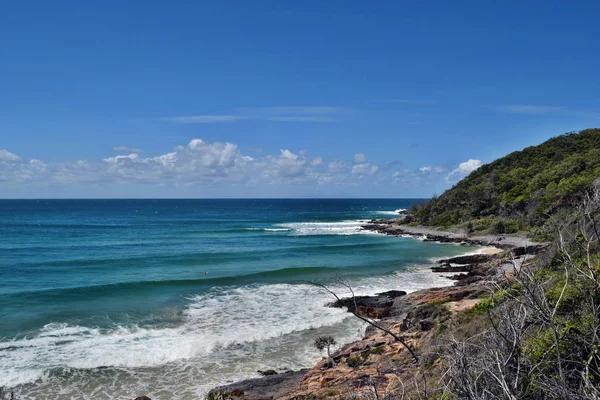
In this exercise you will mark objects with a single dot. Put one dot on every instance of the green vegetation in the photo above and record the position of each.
(354, 362)
(482, 307)
(538, 335)
(378, 349)
(521, 191)
(325, 342)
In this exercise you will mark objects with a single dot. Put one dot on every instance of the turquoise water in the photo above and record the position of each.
(117, 298)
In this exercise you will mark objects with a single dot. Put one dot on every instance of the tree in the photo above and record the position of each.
(325, 342)
(358, 315)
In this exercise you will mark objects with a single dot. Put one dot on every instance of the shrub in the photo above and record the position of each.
(355, 361)
(498, 228)
(482, 307)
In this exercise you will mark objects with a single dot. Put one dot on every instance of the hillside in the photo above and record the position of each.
(519, 192)
(518, 323)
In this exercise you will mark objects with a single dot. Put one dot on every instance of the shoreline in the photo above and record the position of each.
(394, 227)
(468, 270)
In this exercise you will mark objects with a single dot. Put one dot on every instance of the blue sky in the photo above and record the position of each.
(281, 98)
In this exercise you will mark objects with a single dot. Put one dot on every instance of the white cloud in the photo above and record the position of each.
(6, 155)
(117, 159)
(527, 109)
(214, 154)
(298, 110)
(125, 149)
(360, 158)
(336, 166)
(286, 154)
(429, 169)
(276, 114)
(199, 162)
(317, 162)
(288, 164)
(166, 160)
(464, 169)
(300, 118)
(364, 170)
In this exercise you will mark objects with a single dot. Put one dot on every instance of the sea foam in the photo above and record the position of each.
(350, 227)
(227, 333)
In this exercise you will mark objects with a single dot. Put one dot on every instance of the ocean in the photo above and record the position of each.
(113, 299)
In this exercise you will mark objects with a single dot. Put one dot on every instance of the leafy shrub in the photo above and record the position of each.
(498, 227)
(355, 361)
(482, 307)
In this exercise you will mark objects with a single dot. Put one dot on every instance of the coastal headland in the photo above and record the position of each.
(379, 365)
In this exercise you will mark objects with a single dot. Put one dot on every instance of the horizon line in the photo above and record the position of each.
(214, 198)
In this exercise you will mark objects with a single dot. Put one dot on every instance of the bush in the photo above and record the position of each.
(498, 228)
(355, 361)
(482, 307)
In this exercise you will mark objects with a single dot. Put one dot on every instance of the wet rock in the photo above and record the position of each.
(369, 306)
(267, 387)
(392, 293)
(267, 372)
(450, 268)
(468, 259)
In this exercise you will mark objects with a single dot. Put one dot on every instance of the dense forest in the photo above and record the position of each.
(522, 191)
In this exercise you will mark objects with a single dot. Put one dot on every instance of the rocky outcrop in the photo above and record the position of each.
(266, 388)
(516, 244)
(468, 259)
(377, 306)
(378, 360)
(268, 372)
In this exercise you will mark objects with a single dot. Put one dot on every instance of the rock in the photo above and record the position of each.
(426, 325)
(268, 372)
(392, 293)
(470, 279)
(437, 295)
(468, 259)
(267, 387)
(368, 306)
(449, 268)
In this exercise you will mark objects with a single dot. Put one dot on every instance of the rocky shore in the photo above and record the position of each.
(379, 363)
(395, 227)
